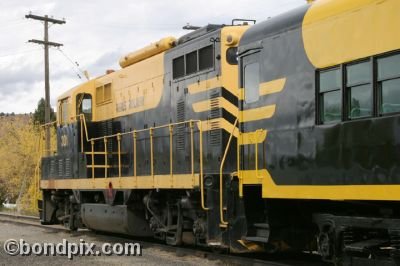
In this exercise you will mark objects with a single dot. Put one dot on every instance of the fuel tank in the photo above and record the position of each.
(115, 219)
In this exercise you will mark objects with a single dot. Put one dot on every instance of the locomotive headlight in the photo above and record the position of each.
(231, 39)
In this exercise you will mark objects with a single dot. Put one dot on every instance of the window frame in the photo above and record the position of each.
(63, 105)
(347, 89)
(79, 108)
(375, 84)
(319, 94)
(378, 83)
(213, 58)
(246, 60)
(198, 71)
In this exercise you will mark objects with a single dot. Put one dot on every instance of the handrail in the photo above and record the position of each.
(85, 136)
(132, 131)
(221, 191)
(151, 130)
(203, 205)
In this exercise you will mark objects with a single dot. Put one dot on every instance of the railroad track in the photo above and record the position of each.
(248, 259)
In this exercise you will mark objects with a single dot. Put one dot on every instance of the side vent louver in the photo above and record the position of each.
(180, 129)
(215, 112)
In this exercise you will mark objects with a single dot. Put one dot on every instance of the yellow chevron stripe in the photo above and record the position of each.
(204, 85)
(218, 123)
(254, 137)
(272, 86)
(266, 88)
(259, 113)
(219, 102)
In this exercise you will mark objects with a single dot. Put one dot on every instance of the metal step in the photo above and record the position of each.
(261, 231)
(363, 246)
(261, 225)
(256, 239)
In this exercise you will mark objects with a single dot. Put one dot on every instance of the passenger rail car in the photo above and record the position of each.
(282, 135)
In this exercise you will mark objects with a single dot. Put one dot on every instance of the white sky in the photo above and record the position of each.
(96, 35)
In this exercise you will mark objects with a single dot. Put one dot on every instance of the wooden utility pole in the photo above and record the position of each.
(46, 44)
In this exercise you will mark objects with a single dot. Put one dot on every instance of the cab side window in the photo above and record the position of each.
(63, 110)
(84, 105)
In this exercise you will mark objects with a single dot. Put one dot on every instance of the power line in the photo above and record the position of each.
(74, 64)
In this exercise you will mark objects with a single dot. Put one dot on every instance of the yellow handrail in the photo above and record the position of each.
(191, 148)
(151, 130)
(105, 158)
(151, 154)
(119, 154)
(203, 205)
(134, 153)
(171, 160)
(92, 145)
(221, 190)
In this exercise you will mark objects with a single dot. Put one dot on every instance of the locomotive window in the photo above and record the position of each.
(231, 56)
(178, 67)
(330, 96)
(87, 105)
(84, 105)
(191, 63)
(389, 84)
(64, 111)
(251, 82)
(359, 90)
(206, 57)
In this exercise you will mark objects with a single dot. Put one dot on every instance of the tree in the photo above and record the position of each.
(38, 116)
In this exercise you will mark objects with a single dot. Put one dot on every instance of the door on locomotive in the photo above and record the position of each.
(250, 80)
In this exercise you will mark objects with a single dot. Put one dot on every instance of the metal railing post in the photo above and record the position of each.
(203, 205)
(105, 158)
(119, 154)
(171, 162)
(191, 148)
(92, 144)
(151, 154)
(221, 187)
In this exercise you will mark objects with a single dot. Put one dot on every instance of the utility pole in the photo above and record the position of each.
(46, 44)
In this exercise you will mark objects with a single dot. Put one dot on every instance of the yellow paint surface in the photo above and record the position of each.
(339, 31)
(183, 181)
(337, 192)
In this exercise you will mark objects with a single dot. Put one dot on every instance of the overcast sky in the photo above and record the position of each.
(96, 35)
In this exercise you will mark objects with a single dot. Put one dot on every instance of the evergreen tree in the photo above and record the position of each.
(38, 115)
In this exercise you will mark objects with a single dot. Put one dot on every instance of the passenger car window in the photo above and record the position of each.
(389, 84)
(359, 90)
(330, 96)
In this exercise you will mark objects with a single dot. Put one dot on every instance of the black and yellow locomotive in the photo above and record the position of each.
(282, 135)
